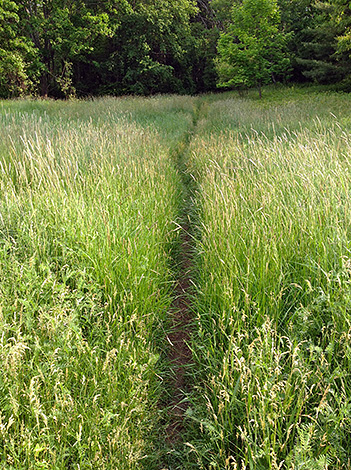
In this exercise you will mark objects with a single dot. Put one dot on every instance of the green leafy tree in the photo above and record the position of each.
(202, 50)
(342, 18)
(204, 33)
(297, 19)
(252, 49)
(149, 52)
(222, 10)
(341, 24)
(16, 53)
(64, 33)
(64, 47)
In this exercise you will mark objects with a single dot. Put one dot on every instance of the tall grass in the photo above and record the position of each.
(88, 200)
(273, 341)
(89, 204)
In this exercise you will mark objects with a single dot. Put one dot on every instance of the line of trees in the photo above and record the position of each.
(64, 48)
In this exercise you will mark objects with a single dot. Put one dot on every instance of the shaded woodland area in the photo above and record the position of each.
(63, 48)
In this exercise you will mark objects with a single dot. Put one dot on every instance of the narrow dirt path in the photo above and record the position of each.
(179, 353)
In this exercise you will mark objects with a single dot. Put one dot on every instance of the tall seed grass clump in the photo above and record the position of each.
(273, 341)
(88, 196)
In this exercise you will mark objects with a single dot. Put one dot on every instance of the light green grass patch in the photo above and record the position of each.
(273, 297)
(88, 200)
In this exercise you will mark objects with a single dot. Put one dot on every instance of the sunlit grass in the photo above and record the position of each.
(88, 200)
(273, 286)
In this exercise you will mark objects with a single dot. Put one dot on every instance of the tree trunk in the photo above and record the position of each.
(44, 87)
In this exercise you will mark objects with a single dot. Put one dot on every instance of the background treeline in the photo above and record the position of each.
(64, 48)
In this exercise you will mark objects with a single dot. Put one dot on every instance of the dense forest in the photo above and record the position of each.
(63, 48)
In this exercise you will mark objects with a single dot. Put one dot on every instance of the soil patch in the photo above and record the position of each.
(179, 353)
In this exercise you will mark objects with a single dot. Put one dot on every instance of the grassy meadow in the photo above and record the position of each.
(91, 198)
(272, 340)
(88, 201)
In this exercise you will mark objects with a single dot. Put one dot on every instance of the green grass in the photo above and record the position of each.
(88, 200)
(91, 194)
(274, 283)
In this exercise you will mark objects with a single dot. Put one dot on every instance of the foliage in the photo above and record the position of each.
(148, 54)
(251, 49)
(63, 33)
(342, 18)
(62, 48)
(16, 53)
(317, 58)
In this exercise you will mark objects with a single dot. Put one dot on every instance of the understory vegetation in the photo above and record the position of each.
(90, 202)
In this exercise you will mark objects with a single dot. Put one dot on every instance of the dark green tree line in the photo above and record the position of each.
(61, 48)
(17, 53)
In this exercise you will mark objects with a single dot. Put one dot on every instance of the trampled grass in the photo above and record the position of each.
(88, 200)
(273, 286)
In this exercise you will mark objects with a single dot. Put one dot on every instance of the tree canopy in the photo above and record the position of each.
(251, 49)
(62, 48)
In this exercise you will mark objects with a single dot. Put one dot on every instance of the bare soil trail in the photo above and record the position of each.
(179, 355)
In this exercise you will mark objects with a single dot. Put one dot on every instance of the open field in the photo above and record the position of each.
(93, 198)
(272, 305)
(88, 203)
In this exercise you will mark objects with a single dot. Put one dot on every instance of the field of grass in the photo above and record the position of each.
(273, 296)
(88, 201)
(91, 197)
